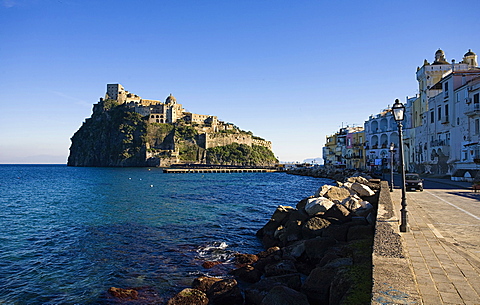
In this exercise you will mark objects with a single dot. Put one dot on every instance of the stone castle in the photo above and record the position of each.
(208, 126)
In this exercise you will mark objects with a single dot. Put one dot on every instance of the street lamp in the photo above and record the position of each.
(392, 151)
(398, 110)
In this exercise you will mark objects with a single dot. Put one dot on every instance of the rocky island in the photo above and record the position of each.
(126, 130)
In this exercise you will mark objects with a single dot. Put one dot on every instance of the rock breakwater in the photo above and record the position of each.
(318, 252)
(336, 174)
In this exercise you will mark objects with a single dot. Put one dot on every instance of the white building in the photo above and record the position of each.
(380, 131)
(439, 114)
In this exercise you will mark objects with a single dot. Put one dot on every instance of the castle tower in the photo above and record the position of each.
(116, 92)
(427, 76)
(173, 110)
(470, 58)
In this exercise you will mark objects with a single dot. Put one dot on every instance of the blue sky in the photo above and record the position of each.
(291, 72)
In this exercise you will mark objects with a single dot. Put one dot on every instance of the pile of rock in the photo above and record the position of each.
(337, 174)
(323, 214)
(316, 253)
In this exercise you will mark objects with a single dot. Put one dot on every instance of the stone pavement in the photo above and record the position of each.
(428, 268)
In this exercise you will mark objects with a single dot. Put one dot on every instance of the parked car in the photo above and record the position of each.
(413, 182)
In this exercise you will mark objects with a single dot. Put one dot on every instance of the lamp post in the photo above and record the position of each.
(398, 110)
(392, 150)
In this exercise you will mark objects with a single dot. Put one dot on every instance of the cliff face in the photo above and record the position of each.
(117, 136)
(111, 137)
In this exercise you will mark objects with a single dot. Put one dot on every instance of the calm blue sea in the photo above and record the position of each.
(67, 234)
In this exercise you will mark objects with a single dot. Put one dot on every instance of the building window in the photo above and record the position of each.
(439, 109)
(476, 98)
(432, 117)
(477, 126)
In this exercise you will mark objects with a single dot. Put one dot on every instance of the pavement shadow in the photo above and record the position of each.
(471, 195)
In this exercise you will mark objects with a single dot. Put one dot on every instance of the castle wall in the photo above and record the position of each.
(219, 139)
(267, 144)
(157, 118)
(150, 102)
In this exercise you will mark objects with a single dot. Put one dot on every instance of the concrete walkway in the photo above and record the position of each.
(441, 272)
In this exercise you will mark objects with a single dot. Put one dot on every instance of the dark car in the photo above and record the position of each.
(413, 182)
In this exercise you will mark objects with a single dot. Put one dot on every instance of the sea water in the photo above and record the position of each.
(67, 234)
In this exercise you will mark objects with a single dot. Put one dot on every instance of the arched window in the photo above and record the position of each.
(158, 121)
(374, 142)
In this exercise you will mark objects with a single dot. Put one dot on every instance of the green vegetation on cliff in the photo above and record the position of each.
(241, 154)
(111, 137)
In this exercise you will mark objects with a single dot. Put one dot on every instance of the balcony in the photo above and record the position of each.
(442, 143)
(353, 156)
(473, 110)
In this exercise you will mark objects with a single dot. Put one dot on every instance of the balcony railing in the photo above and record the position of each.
(439, 143)
(473, 109)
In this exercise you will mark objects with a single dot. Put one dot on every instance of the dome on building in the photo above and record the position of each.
(469, 53)
(171, 99)
(440, 58)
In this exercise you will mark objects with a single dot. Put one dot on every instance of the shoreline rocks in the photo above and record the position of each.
(318, 252)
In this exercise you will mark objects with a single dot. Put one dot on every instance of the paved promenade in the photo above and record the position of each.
(440, 255)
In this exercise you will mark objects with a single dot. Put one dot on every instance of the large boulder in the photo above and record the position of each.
(341, 285)
(358, 179)
(337, 193)
(362, 190)
(294, 250)
(315, 248)
(323, 190)
(317, 285)
(338, 232)
(291, 232)
(225, 292)
(352, 203)
(189, 296)
(339, 212)
(274, 225)
(204, 283)
(245, 259)
(281, 213)
(247, 274)
(301, 204)
(314, 227)
(255, 293)
(281, 295)
(318, 205)
(269, 251)
(285, 266)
